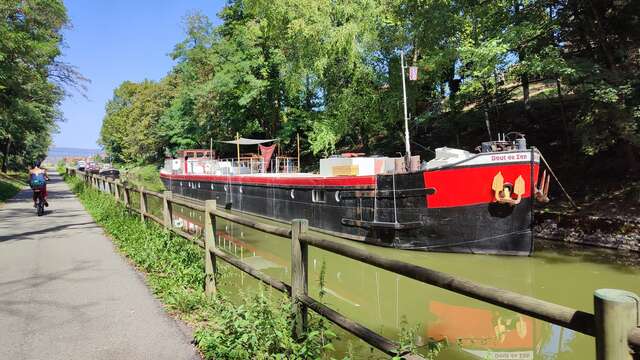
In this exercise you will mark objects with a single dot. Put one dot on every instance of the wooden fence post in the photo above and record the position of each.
(209, 243)
(116, 192)
(166, 209)
(143, 204)
(299, 254)
(127, 203)
(616, 314)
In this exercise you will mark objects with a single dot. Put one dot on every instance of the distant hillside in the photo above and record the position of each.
(58, 153)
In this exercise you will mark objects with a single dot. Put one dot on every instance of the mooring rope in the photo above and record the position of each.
(573, 204)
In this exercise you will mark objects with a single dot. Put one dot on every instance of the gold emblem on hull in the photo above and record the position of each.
(504, 191)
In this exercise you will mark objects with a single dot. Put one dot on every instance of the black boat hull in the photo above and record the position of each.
(391, 211)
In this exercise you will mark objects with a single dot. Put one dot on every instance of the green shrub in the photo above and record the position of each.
(260, 329)
(11, 183)
(147, 176)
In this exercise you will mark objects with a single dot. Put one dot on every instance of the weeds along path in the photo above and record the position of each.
(66, 294)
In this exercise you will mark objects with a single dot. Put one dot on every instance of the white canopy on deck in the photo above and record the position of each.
(245, 141)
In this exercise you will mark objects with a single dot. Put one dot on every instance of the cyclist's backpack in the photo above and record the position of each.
(38, 181)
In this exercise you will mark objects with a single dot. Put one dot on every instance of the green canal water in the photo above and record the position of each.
(387, 303)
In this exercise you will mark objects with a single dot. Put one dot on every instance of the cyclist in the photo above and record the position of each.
(38, 180)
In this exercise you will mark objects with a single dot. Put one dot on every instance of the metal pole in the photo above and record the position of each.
(238, 148)
(298, 137)
(406, 117)
(616, 314)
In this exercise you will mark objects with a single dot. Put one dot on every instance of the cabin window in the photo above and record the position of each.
(293, 194)
(319, 196)
(337, 196)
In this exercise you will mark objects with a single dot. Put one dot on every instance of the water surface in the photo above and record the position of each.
(387, 303)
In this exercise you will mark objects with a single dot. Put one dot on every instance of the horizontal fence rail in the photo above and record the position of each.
(615, 324)
(540, 309)
(634, 339)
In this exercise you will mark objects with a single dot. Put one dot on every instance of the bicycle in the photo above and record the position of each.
(39, 202)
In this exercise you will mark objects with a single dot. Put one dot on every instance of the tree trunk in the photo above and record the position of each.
(525, 92)
(487, 122)
(276, 117)
(308, 94)
(600, 34)
(524, 78)
(495, 97)
(631, 153)
(563, 115)
(454, 85)
(5, 160)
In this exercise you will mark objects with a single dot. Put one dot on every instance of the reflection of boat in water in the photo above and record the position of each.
(496, 334)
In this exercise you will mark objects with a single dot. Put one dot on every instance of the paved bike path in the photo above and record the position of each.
(66, 294)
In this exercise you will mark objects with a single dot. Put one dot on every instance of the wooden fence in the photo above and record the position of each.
(615, 323)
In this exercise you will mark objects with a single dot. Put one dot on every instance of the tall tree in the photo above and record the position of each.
(31, 36)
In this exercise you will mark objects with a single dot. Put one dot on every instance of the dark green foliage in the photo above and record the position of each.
(330, 71)
(32, 79)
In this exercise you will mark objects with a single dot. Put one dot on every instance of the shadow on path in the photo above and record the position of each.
(28, 234)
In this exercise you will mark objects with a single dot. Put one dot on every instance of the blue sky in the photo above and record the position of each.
(111, 41)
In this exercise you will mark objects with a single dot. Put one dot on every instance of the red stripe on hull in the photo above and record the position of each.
(472, 185)
(343, 181)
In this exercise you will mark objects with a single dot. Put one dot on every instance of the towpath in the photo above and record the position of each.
(66, 294)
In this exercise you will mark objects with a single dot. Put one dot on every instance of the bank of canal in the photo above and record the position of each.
(557, 272)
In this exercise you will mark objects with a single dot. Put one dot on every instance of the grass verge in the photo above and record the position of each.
(257, 328)
(10, 184)
(147, 176)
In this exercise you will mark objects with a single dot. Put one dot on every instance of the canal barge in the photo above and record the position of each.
(458, 202)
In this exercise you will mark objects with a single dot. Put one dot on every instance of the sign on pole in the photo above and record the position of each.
(413, 73)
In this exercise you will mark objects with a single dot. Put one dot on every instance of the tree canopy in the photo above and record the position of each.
(330, 71)
(31, 78)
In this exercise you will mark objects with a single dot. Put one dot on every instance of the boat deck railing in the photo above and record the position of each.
(615, 322)
(232, 166)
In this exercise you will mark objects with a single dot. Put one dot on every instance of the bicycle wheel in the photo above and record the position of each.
(40, 206)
